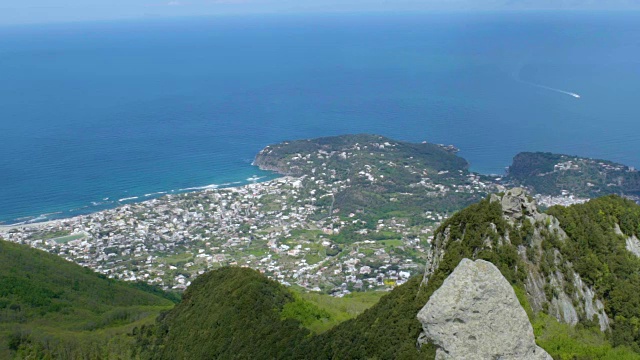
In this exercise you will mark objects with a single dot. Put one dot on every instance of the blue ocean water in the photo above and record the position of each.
(123, 109)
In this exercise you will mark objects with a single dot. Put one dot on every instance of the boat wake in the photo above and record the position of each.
(577, 96)
(516, 77)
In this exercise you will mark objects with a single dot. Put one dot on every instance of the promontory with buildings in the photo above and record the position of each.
(350, 213)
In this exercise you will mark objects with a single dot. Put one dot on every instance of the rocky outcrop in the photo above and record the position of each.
(475, 314)
(632, 243)
(517, 206)
(515, 203)
(593, 307)
(554, 288)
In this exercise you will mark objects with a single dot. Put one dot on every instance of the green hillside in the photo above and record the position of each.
(597, 249)
(239, 313)
(376, 173)
(224, 314)
(52, 307)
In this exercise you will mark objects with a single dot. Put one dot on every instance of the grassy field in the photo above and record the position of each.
(339, 309)
(66, 239)
(178, 258)
(390, 244)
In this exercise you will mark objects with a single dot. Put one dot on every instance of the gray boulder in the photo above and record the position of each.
(475, 314)
(515, 204)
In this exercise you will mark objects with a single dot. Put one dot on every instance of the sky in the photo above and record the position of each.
(53, 11)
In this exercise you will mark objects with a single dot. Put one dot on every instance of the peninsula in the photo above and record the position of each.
(350, 213)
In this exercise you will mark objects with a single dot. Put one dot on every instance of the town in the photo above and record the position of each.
(267, 226)
(287, 228)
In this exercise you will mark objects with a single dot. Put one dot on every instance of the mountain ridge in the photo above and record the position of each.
(573, 269)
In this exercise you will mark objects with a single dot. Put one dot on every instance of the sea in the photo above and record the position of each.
(94, 115)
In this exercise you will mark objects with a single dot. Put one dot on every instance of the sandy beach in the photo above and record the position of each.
(31, 225)
(5, 228)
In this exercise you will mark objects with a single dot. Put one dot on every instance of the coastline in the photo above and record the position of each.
(285, 226)
(271, 226)
(193, 190)
(34, 224)
(272, 171)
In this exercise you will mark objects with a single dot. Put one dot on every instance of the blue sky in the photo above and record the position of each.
(48, 11)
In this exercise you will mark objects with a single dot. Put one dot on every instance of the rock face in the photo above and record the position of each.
(517, 206)
(632, 242)
(546, 291)
(515, 203)
(633, 245)
(475, 314)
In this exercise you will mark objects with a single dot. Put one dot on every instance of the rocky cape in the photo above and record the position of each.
(555, 174)
(342, 153)
(539, 172)
(375, 172)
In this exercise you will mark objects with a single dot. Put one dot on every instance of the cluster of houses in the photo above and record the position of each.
(287, 228)
(566, 199)
(272, 227)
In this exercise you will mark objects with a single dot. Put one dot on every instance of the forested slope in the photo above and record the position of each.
(238, 313)
(601, 234)
(573, 270)
(52, 307)
(551, 174)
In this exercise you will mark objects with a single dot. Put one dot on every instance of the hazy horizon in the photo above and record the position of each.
(96, 113)
(61, 11)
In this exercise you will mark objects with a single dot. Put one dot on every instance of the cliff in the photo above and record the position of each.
(532, 240)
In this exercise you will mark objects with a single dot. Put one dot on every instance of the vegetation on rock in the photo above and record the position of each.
(50, 307)
(598, 253)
